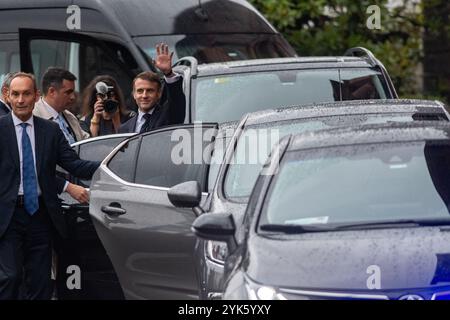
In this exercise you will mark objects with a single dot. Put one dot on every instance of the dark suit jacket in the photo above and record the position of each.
(3, 109)
(60, 182)
(173, 111)
(51, 149)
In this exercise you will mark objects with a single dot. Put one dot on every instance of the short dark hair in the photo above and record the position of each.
(54, 76)
(148, 76)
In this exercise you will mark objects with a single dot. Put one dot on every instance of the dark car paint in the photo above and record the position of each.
(83, 248)
(153, 258)
(407, 257)
(137, 17)
(411, 259)
(217, 202)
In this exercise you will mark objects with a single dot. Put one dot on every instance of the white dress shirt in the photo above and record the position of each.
(50, 109)
(30, 132)
(140, 120)
(55, 115)
(173, 78)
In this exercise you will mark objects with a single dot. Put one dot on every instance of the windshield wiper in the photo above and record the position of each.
(297, 228)
(393, 224)
(294, 228)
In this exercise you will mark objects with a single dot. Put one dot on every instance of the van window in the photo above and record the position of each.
(85, 61)
(9, 57)
(54, 53)
(220, 47)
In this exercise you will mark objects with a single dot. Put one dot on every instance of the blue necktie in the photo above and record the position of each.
(29, 181)
(64, 129)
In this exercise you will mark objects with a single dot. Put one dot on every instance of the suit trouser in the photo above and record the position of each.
(26, 246)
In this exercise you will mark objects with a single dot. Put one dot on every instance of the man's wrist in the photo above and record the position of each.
(66, 186)
(169, 74)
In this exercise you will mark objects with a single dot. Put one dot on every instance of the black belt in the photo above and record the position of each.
(20, 203)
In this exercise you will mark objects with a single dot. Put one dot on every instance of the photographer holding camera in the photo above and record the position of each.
(103, 106)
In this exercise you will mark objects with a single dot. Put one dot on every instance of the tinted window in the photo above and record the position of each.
(123, 162)
(97, 151)
(361, 84)
(221, 143)
(220, 47)
(376, 182)
(85, 61)
(171, 157)
(9, 58)
(228, 97)
(256, 142)
(253, 147)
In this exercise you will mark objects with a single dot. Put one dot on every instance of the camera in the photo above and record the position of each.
(104, 91)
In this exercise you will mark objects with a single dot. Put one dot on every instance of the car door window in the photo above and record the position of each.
(97, 151)
(123, 162)
(170, 157)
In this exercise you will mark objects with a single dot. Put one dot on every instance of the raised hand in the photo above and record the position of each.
(163, 60)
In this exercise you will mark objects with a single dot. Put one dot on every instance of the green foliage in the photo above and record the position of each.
(331, 27)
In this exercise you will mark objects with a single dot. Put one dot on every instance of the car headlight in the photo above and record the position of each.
(216, 251)
(261, 292)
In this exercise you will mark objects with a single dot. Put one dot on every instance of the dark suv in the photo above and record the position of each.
(225, 91)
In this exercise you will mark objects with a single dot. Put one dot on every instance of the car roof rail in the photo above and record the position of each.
(189, 61)
(353, 52)
(374, 62)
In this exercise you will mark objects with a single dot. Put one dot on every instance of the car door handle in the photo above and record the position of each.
(113, 210)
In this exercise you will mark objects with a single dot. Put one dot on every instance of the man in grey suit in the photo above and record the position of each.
(58, 95)
(58, 88)
(30, 213)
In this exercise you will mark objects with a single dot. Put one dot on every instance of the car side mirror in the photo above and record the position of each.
(216, 227)
(185, 195)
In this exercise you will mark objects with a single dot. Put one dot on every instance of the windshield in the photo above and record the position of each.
(209, 48)
(228, 97)
(356, 184)
(256, 142)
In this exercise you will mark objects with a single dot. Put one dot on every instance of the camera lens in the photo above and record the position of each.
(110, 106)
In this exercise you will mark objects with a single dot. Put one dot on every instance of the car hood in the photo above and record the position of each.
(390, 258)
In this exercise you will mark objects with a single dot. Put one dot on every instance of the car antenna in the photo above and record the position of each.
(200, 12)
